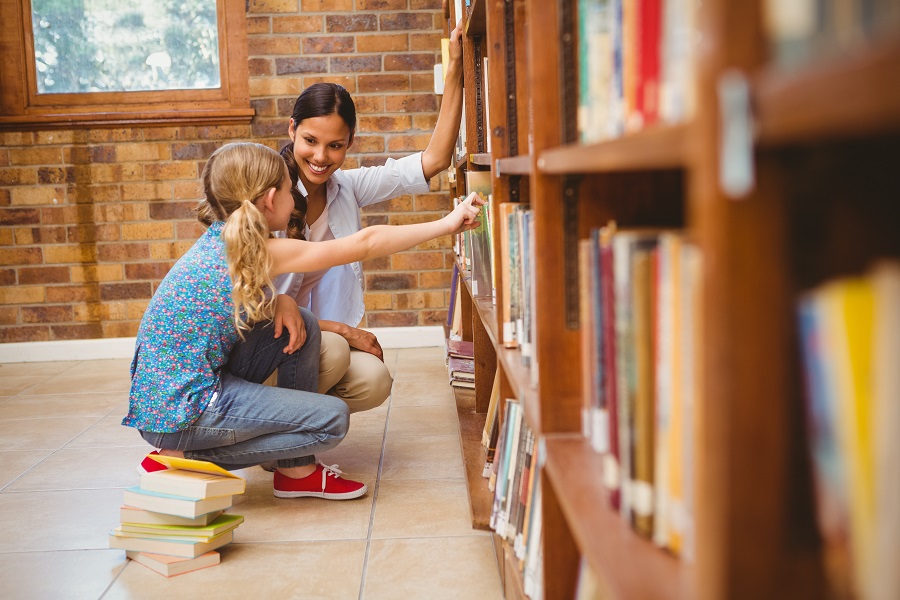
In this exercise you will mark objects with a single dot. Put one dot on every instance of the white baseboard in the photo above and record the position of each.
(19, 352)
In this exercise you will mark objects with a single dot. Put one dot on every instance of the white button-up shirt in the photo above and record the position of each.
(339, 294)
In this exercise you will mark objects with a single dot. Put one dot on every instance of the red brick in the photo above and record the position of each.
(368, 143)
(345, 80)
(411, 103)
(167, 211)
(394, 281)
(260, 67)
(9, 315)
(432, 317)
(325, 5)
(425, 41)
(409, 62)
(86, 331)
(408, 143)
(382, 263)
(273, 45)
(417, 261)
(7, 276)
(390, 42)
(434, 279)
(369, 220)
(103, 154)
(352, 23)
(388, 82)
(355, 64)
(406, 22)
(21, 256)
(382, 4)
(369, 104)
(88, 292)
(434, 202)
(422, 82)
(125, 291)
(24, 334)
(50, 175)
(122, 252)
(43, 275)
(193, 150)
(18, 176)
(258, 25)
(425, 4)
(155, 270)
(337, 44)
(392, 319)
(296, 64)
(264, 107)
(46, 314)
(384, 124)
(302, 24)
(19, 216)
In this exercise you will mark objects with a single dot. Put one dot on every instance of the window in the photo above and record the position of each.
(71, 63)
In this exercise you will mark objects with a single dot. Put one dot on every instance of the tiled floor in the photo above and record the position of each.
(64, 460)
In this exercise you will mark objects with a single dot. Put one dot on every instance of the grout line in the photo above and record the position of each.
(362, 581)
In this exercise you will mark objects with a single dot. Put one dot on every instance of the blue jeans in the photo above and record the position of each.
(249, 423)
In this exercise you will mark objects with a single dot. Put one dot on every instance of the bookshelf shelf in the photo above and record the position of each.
(515, 165)
(471, 425)
(482, 159)
(858, 95)
(476, 22)
(631, 566)
(660, 147)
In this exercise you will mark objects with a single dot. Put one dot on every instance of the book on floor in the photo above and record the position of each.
(223, 523)
(192, 478)
(161, 545)
(174, 505)
(173, 565)
(139, 516)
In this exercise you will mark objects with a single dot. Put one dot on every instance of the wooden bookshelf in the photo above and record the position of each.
(659, 147)
(515, 165)
(820, 203)
(855, 96)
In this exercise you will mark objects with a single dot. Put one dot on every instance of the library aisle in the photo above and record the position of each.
(64, 460)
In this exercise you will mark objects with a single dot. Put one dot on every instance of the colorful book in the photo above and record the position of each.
(138, 516)
(192, 479)
(224, 523)
(171, 566)
(174, 505)
(170, 547)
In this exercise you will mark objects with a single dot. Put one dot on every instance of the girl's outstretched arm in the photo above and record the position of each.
(297, 256)
(437, 154)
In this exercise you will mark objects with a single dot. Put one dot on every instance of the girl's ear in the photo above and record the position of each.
(292, 128)
(350, 142)
(268, 201)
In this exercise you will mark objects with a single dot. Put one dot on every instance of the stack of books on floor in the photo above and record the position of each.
(461, 363)
(175, 520)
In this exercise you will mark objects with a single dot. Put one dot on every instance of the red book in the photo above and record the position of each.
(648, 46)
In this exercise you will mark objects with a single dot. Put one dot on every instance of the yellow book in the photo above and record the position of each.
(849, 310)
(192, 479)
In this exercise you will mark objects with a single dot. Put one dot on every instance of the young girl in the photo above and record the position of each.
(321, 129)
(195, 391)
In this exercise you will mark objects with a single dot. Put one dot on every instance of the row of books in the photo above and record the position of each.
(639, 311)
(850, 341)
(460, 360)
(174, 521)
(513, 473)
(804, 31)
(635, 65)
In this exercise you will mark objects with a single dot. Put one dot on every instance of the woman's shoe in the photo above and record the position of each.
(325, 482)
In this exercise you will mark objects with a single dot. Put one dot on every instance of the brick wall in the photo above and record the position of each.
(91, 220)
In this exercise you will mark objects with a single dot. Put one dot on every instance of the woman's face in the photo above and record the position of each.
(320, 146)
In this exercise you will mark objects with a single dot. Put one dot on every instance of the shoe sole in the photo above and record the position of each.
(324, 495)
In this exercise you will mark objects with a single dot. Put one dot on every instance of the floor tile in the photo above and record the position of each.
(109, 432)
(94, 376)
(11, 385)
(440, 568)
(70, 520)
(83, 468)
(73, 404)
(35, 369)
(423, 420)
(53, 575)
(422, 508)
(14, 463)
(326, 570)
(38, 434)
(419, 457)
(422, 393)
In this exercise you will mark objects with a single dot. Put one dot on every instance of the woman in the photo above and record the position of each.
(321, 129)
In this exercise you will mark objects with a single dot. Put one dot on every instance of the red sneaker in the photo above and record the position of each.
(148, 465)
(325, 482)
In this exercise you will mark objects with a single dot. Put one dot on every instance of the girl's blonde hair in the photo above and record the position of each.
(234, 177)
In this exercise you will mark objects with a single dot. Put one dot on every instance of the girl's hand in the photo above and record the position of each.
(464, 215)
(287, 315)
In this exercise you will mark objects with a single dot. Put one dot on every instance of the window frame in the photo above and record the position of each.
(21, 107)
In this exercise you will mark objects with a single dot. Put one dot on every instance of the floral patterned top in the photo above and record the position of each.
(184, 340)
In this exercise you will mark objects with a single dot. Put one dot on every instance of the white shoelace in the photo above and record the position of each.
(329, 470)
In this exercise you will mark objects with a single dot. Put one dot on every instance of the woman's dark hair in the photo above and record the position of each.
(297, 221)
(323, 99)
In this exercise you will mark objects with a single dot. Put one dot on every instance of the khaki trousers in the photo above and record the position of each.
(356, 377)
